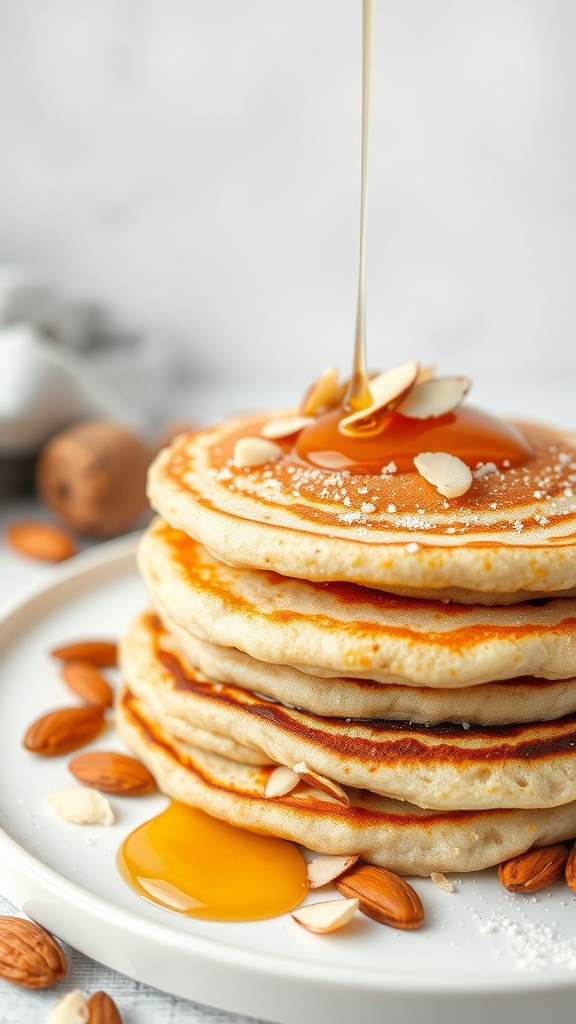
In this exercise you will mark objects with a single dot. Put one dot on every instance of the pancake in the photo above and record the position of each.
(415, 649)
(444, 766)
(338, 629)
(394, 835)
(510, 537)
(526, 699)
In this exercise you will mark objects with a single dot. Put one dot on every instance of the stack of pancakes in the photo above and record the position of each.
(413, 658)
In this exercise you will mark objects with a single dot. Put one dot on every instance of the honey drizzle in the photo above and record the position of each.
(358, 395)
(473, 436)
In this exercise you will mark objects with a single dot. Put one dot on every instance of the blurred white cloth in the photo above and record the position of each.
(63, 361)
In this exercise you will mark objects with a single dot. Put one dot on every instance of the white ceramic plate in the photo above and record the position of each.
(481, 952)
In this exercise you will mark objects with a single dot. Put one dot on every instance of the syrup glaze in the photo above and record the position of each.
(472, 435)
(187, 861)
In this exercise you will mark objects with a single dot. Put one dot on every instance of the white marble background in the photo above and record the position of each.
(195, 165)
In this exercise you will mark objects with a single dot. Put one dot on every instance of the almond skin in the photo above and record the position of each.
(98, 652)
(65, 730)
(103, 1009)
(534, 869)
(321, 783)
(41, 540)
(112, 773)
(384, 896)
(570, 869)
(29, 956)
(84, 679)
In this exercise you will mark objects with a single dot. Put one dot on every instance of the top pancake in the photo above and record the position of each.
(511, 537)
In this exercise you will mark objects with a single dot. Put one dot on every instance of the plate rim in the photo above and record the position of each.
(114, 558)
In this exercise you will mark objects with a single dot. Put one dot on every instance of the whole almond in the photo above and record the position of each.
(84, 678)
(383, 896)
(103, 1009)
(41, 540)
(112, 773)
(29, 956)
(570, 869)
(97, 652)
(65, 730)
(534, 869)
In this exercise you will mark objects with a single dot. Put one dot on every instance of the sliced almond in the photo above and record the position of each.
(425, 373)
(324, 869)
(282, 780)
(324, 394)
(441, 881)
(326, 917)
(84, 679)
(434, 397)
(255, 451)
(447, 473)
(81, 806)
(98, 652)
(41, 540)
(309, 793)
(322, 783)
(285, 427)
(70, 1009)
(112, 773)
(387, 390)
(534, 869)
(383, 896)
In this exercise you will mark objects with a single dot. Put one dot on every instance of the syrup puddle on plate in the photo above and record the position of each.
(189, 862)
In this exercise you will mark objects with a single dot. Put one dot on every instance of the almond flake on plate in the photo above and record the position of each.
(255, 451)
(81, 805)
(281, 781)
(70, 1009)
(447, 473)
(433, 398)
(327, 916)
(387, 390)
(325, 868)
(285, 427)
(441, 881)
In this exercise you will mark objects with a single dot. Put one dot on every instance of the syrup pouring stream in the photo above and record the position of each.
(359, 396)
